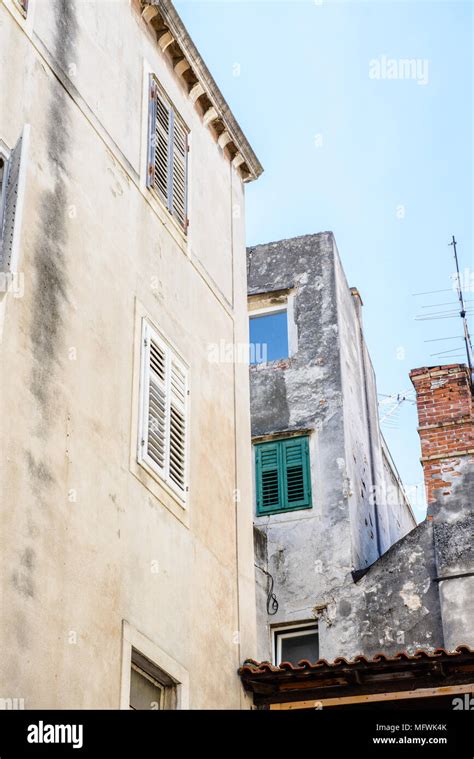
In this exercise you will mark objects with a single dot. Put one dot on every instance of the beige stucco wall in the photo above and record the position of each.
(97, 252)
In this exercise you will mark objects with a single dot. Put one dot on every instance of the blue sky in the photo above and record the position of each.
(385, 163)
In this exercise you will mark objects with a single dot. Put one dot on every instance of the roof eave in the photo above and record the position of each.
(243, 157)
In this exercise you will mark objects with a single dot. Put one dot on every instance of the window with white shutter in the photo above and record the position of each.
(163, 417)
(13, 178)
(22, 6)
(168, 146)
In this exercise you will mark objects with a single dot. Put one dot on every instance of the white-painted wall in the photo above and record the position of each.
(98, 252)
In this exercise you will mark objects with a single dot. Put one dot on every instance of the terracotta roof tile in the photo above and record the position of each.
(252, 667)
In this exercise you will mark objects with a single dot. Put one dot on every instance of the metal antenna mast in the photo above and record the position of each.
(462, 313)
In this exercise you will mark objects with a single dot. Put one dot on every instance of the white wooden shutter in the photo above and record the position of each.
(12, 204)
(156, 421)
(177, 447)
(159, 152)
(163, 411)
(167, 169)
(179, 177)
(163, 146)
(152, 93)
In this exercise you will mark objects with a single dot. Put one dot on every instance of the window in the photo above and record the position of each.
(23, 6)
(269, 336)
(293, 644)
(12, 178)
(145, 691)
(283, 475)
(150, 687)
(163, 433)
(167, 172)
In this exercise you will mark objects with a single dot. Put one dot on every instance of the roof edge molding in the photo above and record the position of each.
(175, 42)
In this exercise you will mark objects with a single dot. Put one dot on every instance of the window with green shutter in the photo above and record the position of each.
(283, 475)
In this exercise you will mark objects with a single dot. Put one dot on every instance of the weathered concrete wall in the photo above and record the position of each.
(320, 389)
(394, 607)
(455, 561)
(398, 609)
(306, 550)
(357, 439)
(380, 513)
(402, 518)
(88, 539)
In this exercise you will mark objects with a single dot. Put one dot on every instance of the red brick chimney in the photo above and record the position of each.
(445, 414)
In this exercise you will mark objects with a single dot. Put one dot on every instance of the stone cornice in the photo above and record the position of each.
(175, 42)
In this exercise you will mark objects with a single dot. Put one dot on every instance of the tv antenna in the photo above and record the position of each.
(462, 313)
(390, 405)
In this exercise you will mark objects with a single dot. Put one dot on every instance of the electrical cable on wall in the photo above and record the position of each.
(272, 603)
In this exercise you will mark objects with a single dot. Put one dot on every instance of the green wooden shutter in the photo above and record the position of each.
(268, 476)
(296, 472)
(283, 475)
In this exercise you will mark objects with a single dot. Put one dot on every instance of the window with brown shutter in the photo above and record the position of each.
(168, 147)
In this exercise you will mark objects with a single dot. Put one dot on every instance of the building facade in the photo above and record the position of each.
(411, 612)
(329, 501)
(126, 519)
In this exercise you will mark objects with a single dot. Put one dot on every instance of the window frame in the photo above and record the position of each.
(166, 685)
(135, 641)
(258, 313)
(154, 90)
(162, 474)
(284, 506)
(159, 686)
(290, 631)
